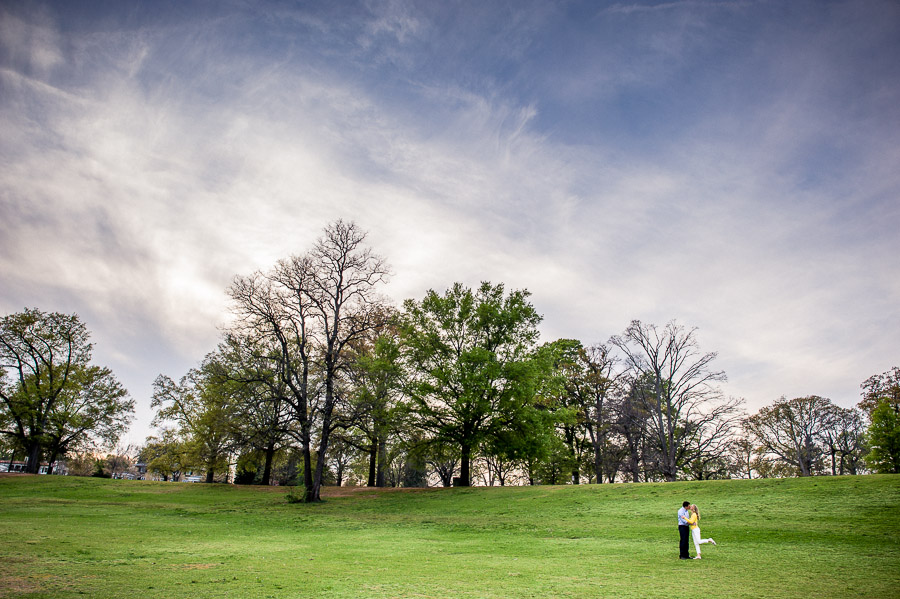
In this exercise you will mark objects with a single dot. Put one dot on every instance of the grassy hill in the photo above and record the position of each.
(819, 537)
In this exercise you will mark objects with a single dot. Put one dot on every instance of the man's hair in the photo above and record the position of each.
(685, 504)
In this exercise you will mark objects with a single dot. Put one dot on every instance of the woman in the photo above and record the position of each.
(693, 520)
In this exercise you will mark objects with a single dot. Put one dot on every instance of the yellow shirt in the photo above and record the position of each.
(692, 520)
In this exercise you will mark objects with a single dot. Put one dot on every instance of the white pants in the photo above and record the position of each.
(695, 534)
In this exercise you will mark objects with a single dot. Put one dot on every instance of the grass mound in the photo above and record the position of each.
(824, 537)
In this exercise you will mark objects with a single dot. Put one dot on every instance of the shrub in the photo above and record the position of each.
(296, 494)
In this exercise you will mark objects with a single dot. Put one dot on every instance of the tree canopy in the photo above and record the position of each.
(53, 399)
(473, 374)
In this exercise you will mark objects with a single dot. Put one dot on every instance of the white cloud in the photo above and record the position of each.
(140, 188)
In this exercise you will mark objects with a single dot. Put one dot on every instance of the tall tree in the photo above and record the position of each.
(271, 309)
(313, 307)
(791, 429)
(345, 275)
(687, 413)
(50, 394)
(472, 369)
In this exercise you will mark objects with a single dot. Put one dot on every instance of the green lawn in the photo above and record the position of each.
(819, 537)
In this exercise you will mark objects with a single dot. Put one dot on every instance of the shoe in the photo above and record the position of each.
(698, 557)
(712, 541)
(684, 558)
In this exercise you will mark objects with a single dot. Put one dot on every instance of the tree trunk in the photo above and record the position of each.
(373, 457)
(326, 430)
(382, 462)
(598, 464)
(210, 475)
(267, 469)
(307, 470)
(50, 462)
(33, 458)
(465, 476)
(635, 467)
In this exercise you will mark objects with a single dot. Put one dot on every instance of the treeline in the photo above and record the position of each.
(319, 380)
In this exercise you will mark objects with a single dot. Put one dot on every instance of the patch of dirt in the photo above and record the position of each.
(348, 491)
(17, 584)
(196, 566)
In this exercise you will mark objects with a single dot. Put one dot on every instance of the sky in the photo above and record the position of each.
(731, 165)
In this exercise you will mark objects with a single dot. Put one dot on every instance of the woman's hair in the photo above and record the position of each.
(696, 510)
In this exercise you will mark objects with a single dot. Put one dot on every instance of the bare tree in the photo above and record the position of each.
(313, 306)
(342, 293)
(687, 413)
(791, 429)
(630, 425)
(844, 439)
(593, 383)
(742, 452)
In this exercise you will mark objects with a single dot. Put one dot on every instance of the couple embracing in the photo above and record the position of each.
(689, 525)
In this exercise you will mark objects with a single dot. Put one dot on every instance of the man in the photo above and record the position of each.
(684, 530)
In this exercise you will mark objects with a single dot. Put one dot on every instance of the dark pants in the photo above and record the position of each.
(685, 533)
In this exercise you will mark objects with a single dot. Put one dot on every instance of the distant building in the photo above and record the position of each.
(16, 466)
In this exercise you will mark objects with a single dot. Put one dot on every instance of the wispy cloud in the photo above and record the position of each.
(722, 167)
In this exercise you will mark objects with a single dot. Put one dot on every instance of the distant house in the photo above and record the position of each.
(16, 466)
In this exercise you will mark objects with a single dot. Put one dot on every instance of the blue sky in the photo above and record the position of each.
(731, 165)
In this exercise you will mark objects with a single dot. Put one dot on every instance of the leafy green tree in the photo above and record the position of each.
(52, 399)
(166, 456)
(248, 368)
(884, 439)
(89, 412)
(203, 407)
(472, 369)
(375, 379)
(589, 385)
(554, 466)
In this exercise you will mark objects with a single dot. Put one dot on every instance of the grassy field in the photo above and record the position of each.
(820, 537)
